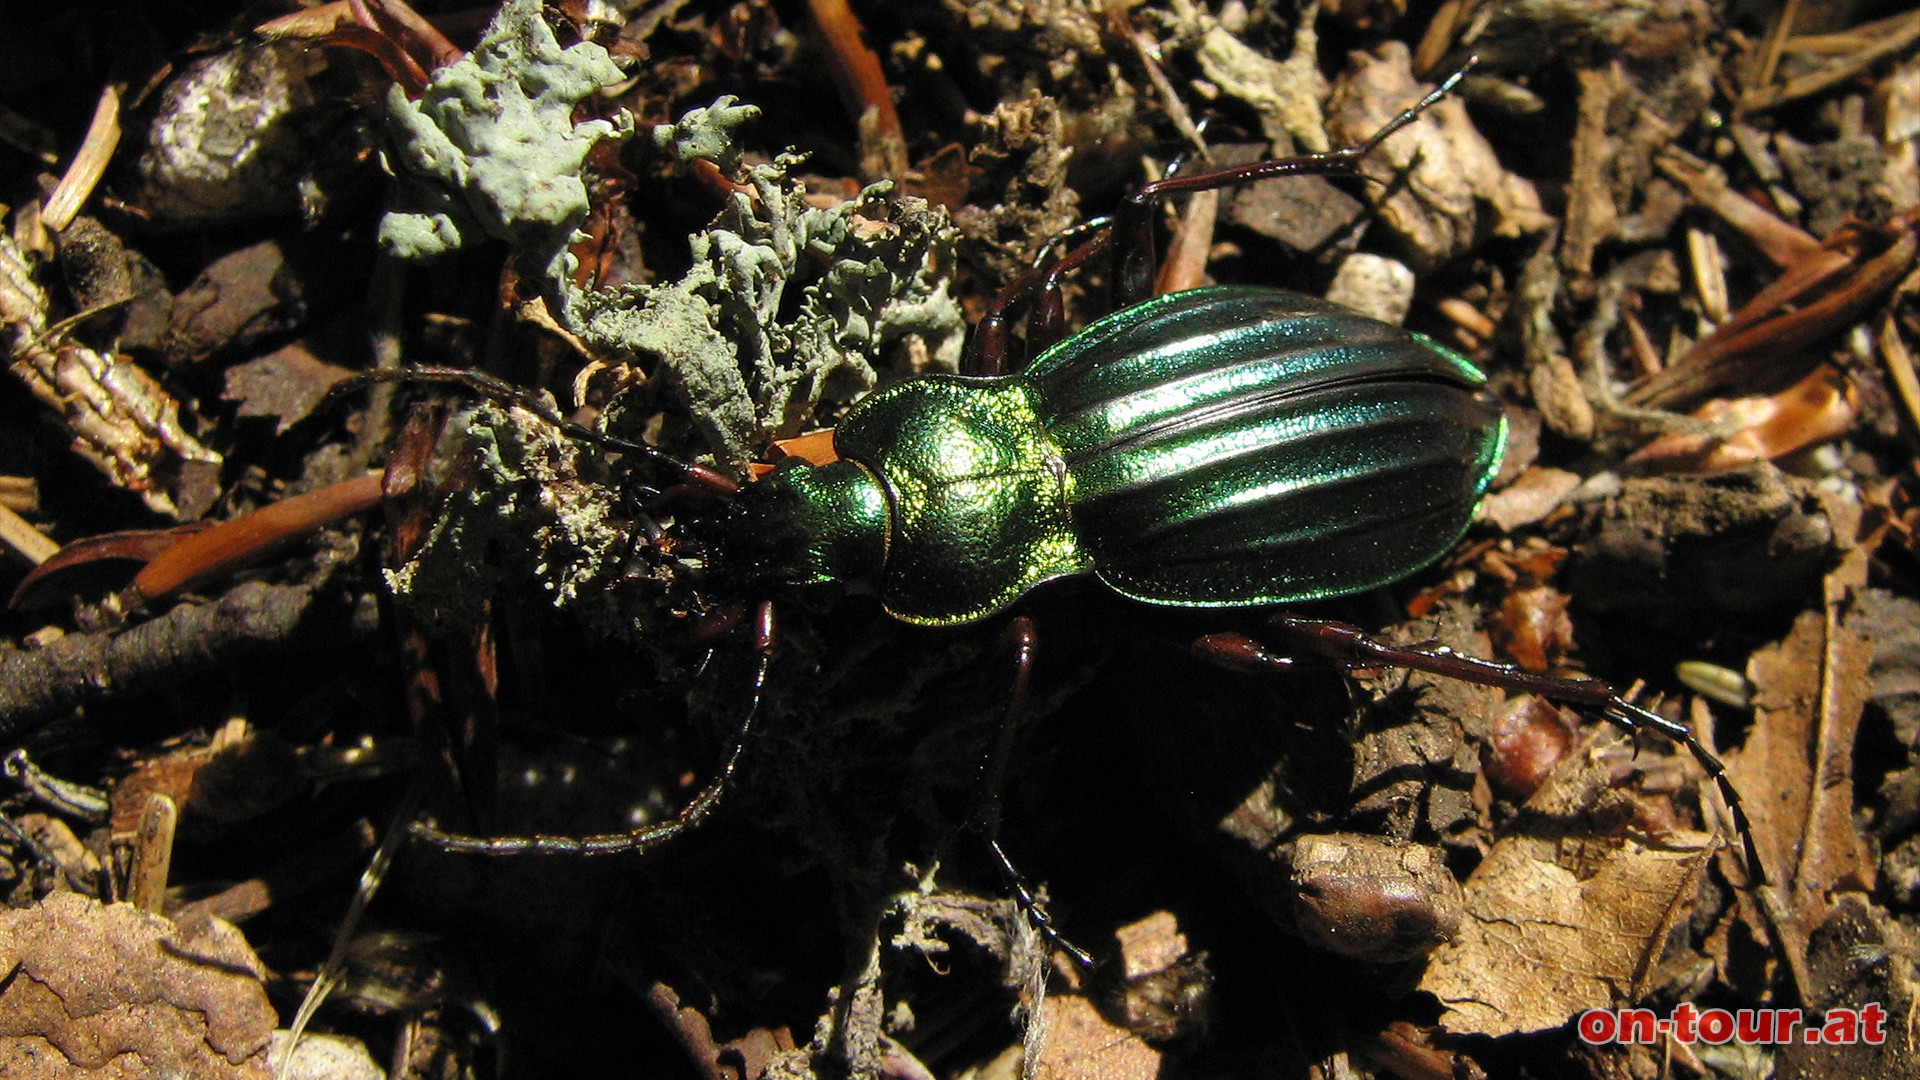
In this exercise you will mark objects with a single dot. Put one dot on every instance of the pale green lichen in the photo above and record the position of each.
(749, 361)
(709, 134)
(526, 514)
(491, 146)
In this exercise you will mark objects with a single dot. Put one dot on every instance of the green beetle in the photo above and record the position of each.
(1220, 447)
(1228, 446)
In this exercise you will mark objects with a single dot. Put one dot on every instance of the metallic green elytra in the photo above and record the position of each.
(1220, 447)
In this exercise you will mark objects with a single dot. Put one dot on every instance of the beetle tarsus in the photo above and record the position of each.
(1412, 112)
(1035, 910)
(1635, 719)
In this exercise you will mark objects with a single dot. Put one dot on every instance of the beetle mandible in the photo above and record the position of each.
(1225, 446)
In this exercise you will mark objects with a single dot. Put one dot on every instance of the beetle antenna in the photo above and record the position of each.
(497, 389)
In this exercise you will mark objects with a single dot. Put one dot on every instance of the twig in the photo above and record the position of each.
(1897, 40)
(856, 70)
(188, 640)
(19, 534)
(89, 164)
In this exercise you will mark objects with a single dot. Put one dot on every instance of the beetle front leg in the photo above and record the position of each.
(1039, 287)
(1022, 640)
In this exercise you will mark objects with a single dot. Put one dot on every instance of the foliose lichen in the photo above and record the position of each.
(491, 145)
(749, 361)
(529, 515)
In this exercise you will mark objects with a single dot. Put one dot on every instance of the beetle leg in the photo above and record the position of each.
(1347, 644)
(1035, 908)
(1021, 639)
(1133, 247)
(648, 837)
(1130, 237)
(991, 345)
(1238, 652)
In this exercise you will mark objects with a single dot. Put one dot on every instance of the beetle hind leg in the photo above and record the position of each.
(1135, 264)
(1128, 235)
(1348, 645)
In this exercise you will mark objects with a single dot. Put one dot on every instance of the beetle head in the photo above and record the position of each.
(802, 524)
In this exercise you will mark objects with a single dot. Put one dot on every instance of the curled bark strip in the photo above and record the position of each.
(856, 70)
(213, 553)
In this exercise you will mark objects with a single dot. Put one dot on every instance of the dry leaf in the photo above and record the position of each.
(1084, 1045)
(1742, 431)
(1435, 211)
(1529, 499)
(1558, 921)
(1439, 170)
(1796, 769)
(118, 992)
